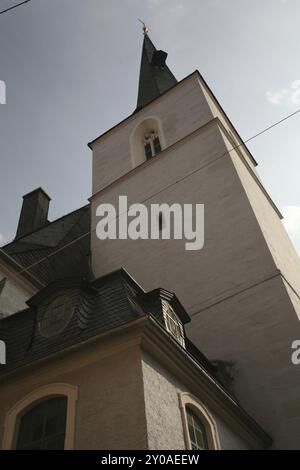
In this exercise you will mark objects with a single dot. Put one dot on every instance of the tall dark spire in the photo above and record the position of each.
(155, 76)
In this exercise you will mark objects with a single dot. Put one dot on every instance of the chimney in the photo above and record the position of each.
(34, 213)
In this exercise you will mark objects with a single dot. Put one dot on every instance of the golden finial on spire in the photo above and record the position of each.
(145, 28)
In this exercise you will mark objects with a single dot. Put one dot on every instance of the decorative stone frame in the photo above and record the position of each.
(12, 417)
(186, 400)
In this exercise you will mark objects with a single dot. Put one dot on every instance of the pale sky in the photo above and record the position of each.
(71, 71)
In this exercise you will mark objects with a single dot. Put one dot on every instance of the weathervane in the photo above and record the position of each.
(145, 28)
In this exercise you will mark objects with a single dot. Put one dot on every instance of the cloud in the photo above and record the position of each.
(291, 222)
(286, 96)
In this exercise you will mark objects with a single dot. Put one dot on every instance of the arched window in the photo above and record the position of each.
(146, 140)
(43, 427)
(45, 418)
(152, 145)
(199, 426)
(197, 432)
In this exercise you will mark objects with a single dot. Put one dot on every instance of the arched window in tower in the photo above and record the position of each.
(43, 427)
(146, 141)
(152, 144)
(197, 431)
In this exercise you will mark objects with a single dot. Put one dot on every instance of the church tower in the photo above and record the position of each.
(242, 289)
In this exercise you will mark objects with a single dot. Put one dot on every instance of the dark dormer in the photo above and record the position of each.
(167, 309)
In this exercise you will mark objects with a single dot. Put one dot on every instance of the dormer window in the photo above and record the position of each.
(152, 144)
(172, 322)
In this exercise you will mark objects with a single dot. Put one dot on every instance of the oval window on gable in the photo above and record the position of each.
(43, 427)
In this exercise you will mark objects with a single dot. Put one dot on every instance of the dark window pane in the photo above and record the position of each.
(197, 431)
(55, 443)
(156, 145)
(200, 439)
(148, 150)
(32, 447)
(51, 426)
(37, 428)
(43, 427)
(60, 442)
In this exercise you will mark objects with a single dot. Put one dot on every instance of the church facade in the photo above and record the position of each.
(101, 354)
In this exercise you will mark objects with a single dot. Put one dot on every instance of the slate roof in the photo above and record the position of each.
(155, 75)
(46, 244)
(98, 306)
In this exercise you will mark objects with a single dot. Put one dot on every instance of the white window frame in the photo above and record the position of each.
(187, 400)
(170, 317)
